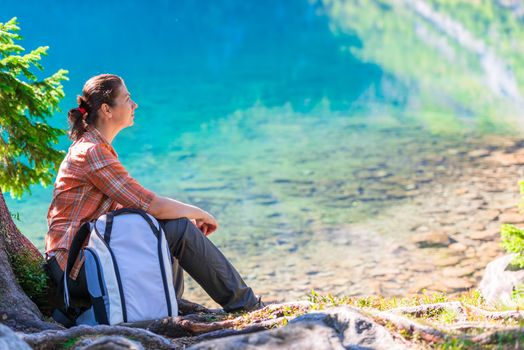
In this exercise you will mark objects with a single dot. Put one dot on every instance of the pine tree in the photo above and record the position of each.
(27, 157)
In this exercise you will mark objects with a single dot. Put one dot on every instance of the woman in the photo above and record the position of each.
(91, 181)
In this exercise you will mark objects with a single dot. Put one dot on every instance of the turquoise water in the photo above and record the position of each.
(282, 118)
(189, 65)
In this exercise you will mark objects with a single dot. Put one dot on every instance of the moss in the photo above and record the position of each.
(31, 276)
(70, 343)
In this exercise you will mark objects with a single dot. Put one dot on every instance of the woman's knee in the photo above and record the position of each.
(174, 229)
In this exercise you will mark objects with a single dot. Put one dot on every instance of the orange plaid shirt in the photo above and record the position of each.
(91, 181)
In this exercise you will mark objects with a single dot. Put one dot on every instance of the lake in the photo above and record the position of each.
(293, 122)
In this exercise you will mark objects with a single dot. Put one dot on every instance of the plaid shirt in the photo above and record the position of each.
(91, 181)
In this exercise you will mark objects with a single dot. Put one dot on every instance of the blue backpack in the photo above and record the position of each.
(128, 269)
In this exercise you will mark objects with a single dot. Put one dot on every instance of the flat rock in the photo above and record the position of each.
(511, 218)
(476, 226)
(447, 261)
(488, 215)
(507, 159)
(479, 153)
(383, 272)
(421, 267)
(458, 271)
(431, 239)
(484, 235)
(420, 283)
(336, 328)
(458, 247)
(456, 283)
(9, 340)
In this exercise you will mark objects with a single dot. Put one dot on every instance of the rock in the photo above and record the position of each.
(421, 267)
(489, 250)
(419, 284)
(447, 261)
(461, 191)
(431, 239)
(484, 235)
(498, 283)
(112, 342)
(479, 153)
(458, 271)
(383, 272)
(9, 340)
(477, 226)
(457, 284)
(336, 328)
(511, 218)
(507, 159)
(458, 247)
(488, 215)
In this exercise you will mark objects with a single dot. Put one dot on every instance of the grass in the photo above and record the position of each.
(440, 319)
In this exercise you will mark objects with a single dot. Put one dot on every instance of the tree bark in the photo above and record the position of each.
(17, 311)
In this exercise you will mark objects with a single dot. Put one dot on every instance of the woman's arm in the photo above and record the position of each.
(168, 208)
(107, 174)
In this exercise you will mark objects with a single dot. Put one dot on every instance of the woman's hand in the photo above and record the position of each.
(206, 223)
(168, 208)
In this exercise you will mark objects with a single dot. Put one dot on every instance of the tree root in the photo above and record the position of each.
(181, 326)
(430, 310)
(50, 340)
(495, 315)
(427, 333)
(495, 337)
(466, 326)
(253, 328)
(186, 307)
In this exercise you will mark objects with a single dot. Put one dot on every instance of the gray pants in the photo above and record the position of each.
(197, 255)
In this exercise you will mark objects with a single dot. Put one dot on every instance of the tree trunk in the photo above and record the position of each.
(16, 309)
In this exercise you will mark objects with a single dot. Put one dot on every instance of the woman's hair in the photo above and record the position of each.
(97, 90)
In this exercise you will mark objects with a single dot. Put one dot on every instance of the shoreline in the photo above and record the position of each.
(444, 236)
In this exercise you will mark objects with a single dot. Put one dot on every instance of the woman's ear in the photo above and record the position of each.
(106, 110)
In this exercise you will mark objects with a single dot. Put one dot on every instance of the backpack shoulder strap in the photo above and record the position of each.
(78, 240)
(109, 226)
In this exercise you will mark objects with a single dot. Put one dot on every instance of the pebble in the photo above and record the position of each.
(482, 235)
(447, 261)
(479, 153)
(458, 271)
(511, 218)
(456, 283)
(488, 215)
(458, 247)
(431, 239)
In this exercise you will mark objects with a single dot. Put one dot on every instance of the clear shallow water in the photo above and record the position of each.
(277, 116)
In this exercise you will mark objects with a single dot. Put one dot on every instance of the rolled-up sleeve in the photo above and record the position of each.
(106, 173)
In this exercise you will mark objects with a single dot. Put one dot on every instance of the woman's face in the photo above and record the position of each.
(123, 110)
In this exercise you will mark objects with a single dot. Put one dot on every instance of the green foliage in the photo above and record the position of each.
(448, 316)
(518, 293)
(456, 344)
(513, 237)
(513, 242)
(26, 102)
(30, 275)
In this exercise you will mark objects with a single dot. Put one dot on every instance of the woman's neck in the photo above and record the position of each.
(108, 132)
